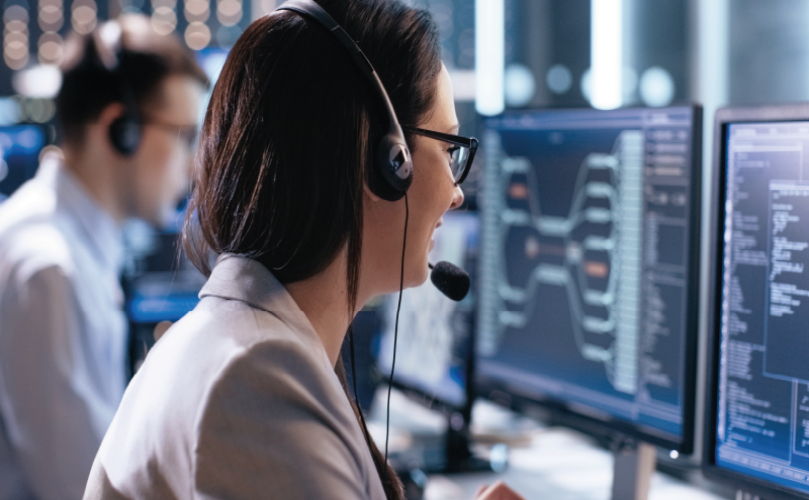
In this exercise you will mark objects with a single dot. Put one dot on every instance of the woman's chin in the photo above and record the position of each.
(417, 277)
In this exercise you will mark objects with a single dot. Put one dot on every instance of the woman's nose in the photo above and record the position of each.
(457, 197)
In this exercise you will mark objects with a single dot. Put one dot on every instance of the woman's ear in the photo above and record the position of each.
(370, 194)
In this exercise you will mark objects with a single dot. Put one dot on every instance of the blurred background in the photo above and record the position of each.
(502, 55)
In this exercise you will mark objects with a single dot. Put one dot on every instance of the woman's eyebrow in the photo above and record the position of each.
(453, 130)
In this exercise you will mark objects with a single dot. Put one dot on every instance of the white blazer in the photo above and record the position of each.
(237, 400)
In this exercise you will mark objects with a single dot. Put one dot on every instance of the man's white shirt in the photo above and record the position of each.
(62, 335)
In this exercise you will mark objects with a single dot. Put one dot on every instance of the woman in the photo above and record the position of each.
(241, 399)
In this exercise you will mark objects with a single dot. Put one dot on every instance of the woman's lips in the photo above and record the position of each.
(432, 238)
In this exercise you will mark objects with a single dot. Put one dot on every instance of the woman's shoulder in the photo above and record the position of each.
(237, 353)
(224, 341)
(231, 384)
(276, 408)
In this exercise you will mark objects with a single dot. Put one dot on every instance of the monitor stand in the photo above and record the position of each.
(633, 468)
(458, 457)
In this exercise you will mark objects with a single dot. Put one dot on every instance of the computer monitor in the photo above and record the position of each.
(436, 336)
(590, 267)
(20, 146)
(757, 422)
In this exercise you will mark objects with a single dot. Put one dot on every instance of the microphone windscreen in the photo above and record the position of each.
(451, 280)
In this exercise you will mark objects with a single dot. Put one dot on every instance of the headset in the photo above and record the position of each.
(125, 131)
(393, 159)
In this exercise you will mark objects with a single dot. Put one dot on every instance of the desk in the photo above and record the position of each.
(560, 464)
(550, 462)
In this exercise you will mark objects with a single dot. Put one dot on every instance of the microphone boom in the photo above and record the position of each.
(450, 279)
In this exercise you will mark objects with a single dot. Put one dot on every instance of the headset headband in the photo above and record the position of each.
(125, 131)
(394, 155)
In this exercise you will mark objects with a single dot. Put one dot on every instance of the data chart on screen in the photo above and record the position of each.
(763, 393)
(585, 264)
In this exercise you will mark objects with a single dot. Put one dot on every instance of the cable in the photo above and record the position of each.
(396, 329)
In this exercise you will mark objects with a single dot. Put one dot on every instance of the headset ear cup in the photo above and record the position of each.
(380, 186)
(125, 135)
(395, 165)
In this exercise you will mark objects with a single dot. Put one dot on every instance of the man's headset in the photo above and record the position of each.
(393, 159)
(125, 131)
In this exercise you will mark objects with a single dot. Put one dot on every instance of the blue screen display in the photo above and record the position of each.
(20, 146)
(763, 393)
(585, 261)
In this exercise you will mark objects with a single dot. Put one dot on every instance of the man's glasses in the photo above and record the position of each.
(186, 134)
(461, 153)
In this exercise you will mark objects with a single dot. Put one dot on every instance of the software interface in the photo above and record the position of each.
(585, 237)
(435, 332)
(763, 396)
(20, 146)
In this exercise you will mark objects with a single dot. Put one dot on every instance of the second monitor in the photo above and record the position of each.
(589, 267)
(435, 343)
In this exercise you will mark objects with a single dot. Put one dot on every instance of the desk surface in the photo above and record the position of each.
(550, 462)
(560, 464)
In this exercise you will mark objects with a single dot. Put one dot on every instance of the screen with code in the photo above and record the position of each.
(763, 392)
(587, 232)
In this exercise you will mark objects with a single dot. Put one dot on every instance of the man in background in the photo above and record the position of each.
(128, 111)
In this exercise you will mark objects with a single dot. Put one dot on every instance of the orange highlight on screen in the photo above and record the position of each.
(518, 191)
(596, 269)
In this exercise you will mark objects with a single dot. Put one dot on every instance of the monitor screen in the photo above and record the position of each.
(435, 333)
(589, 265)
(760, 405)
(166, 284)
(20, 146)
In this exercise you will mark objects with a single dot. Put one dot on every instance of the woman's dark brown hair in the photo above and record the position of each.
(289, 139)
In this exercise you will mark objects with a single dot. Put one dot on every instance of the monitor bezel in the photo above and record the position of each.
(598, 422)
(427, 398)
(723, 118)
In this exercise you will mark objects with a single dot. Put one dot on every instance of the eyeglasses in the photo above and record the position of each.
(187, 134)
(460, 155)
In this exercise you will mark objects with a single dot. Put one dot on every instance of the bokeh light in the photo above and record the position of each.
(84, 14)
(520, 85)
(50, 48)
(164, 20)
(656, 87)
(559, 79)
(229, 12)
(197, 11)
(15, 37)
(197, 35)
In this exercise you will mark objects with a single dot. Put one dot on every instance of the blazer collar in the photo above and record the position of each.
(238, 278)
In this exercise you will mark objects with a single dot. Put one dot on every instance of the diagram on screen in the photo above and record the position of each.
(592, 253)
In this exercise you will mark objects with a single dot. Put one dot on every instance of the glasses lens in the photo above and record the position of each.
(458, 159)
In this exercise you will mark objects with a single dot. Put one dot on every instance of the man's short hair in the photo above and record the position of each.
(143, 60)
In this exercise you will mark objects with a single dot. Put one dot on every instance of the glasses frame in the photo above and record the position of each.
(468, 142)
(178, 129)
